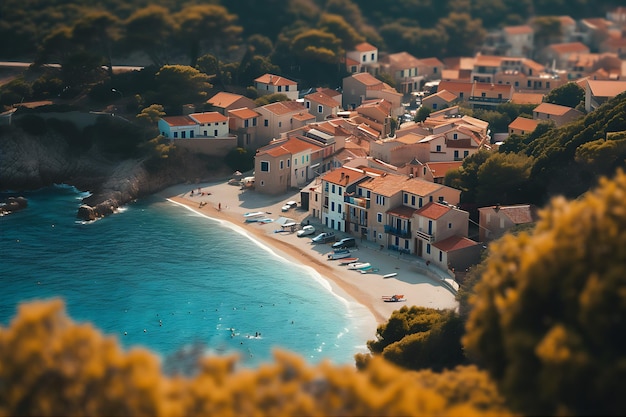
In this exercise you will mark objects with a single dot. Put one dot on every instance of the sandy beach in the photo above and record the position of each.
(420, 284)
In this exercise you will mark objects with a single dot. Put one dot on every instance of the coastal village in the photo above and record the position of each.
(365, 168)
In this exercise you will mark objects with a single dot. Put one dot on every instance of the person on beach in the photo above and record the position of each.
(219, 206)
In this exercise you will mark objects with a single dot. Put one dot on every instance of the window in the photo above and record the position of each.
(499, 96)
(420, 202)
(380, 200)
(280, 88)
(461, 95)
(265, 166)
(339, 190)
(246, 123)
(308, 104)
(338, 208)
(332, 189)
(364, 58)
(288, 163)
(465, 154)
(266, 123)
(379, 217)
(456, 154)
(412, 200)
(183, 134)
(280, 124)
(319, 109)
(428, 248)
(215, 132)
(440, 256)
(373, 56)
(449, 225)
(254, 122)
(282, 164)
(438, 148)
(175, 134)
(406, 198)
(286, 88)
(483, 94)
(455, 136)
(516, 83)
(332, 206)
(191, 133)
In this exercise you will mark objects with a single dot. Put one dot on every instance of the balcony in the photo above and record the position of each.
(357, 201)
(356, 220)
(405, 234)
(425, 236)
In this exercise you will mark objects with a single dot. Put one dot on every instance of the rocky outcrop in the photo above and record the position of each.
(12, 204)
(28, 162)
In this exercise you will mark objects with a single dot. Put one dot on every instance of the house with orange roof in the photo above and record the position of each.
(223, 102)
(615, 45)
(593, 30)
(431, 68)
(359, 87)
(391, 192)
(520, 40)
(458, 253)
(495, 221)
(559, 54)
(376, 114)
(272, 84)
(440, 100)
(603, 66)
(432, 171)
(461, 89)
(321, 105)
(287, 163)
(243, 123)
(522, 126)
(488, 96)
(195, 125)
(363, 58)
(404, 69)
(598, 92)
(279, 117)
(559, 115)
(342, 208)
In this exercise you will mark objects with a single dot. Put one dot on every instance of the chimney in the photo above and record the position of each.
(343, 174)
(347, 179)
(497, 207)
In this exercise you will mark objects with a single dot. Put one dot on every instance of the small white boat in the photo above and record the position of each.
(253, 214)
(359, 265)
(368, 270)
(393, 274)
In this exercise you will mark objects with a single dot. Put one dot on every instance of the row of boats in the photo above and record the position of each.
(345, 258)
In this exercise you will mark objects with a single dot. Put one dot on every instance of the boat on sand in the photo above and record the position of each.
(346, 261)
(359, 265)
(393, 298)
(338, 255)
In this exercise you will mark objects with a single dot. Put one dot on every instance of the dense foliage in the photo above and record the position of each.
(548, 318)
(58, 367)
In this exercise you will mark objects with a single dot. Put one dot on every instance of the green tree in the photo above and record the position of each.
(150, 115)
(547, 31)
(270, 98)
(342, 30)
(181, 84)
(464, 33)
(570, 95)
(503, 178)
(150, 30)
(206, 28)
(603, 156)
(97, 31)
(419, 338)
(549, 316)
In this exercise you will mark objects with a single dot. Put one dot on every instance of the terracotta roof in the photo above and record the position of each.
(402, 211)
(243, 113)
(284, 107)
(527, 98)
(350, 62)
(290, 146)
(391, 184)
(272, 79)
(303, 116)
(569, 47)
(456, 86)
(566, 21)
(445, 95)
(505, 89)
(224, 99)
(454, 243)
(410, 138)
(488, 60)
(431, 61)
(402, 60)
(341, 176)
(365, 47)
(209, 117)
(519, 214)
(439, 169)
(433, 210)
(605, 88)
(524, 124)
(323, 99)
(518, 30)
(179, 121)
(367, 79)
(549, 108)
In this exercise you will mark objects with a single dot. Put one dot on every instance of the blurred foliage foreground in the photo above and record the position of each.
(547, 327)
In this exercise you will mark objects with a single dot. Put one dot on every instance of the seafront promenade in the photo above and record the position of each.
(420, 284)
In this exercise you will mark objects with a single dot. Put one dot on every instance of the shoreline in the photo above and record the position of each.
(221, 201)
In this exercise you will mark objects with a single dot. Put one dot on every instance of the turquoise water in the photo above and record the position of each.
(161, 276)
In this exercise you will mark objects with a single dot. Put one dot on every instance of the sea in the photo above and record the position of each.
(160, 276)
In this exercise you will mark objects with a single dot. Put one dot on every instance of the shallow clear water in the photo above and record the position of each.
(159, 275)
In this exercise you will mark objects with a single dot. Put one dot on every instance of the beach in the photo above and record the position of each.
(420, 284)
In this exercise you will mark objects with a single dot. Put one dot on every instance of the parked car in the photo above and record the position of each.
(289, 205)
(306, 230)
(346, 242)
(324, 237)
